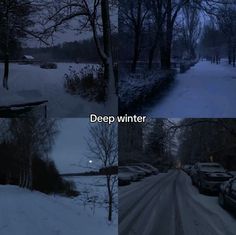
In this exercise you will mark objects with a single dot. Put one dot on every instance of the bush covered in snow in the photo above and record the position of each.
(137, 88)
(88, 83)
(48, 66)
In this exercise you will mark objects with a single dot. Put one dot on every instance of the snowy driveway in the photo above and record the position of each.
(206, 90)
(168, 204)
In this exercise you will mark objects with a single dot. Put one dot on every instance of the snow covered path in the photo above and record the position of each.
(168, 204)
(206, 90)
(23, 212)
(30, 83)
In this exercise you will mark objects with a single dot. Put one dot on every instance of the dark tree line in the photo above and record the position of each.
(77, 51)
(24, 147)
(207, 140)
(159, 29)
(159, 144)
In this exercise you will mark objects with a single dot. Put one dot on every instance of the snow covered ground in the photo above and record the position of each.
(93, 195)
(29, 83)
(23, 212)
(168, 204)
(206, 90)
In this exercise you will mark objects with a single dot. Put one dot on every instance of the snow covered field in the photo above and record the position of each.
(93, 195)
(23, 212)
(206, 90)
(168, 204)
(29, 83)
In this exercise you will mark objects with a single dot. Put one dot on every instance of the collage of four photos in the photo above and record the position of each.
(166, 69)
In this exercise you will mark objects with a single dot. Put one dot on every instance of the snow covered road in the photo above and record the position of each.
(168, 204)
(206, 90)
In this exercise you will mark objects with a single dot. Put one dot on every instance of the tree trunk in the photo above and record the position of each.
(6, 71)
(135, 50)
(107, 61)
(110, 201)
(167, 40)
(152, 51)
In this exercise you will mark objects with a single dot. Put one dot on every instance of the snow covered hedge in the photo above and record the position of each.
(136, 89)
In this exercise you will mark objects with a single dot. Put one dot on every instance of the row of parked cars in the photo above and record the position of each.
(135, 172)
(212, 177)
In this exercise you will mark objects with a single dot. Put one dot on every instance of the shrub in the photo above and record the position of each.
(48, 66)
(87, 83)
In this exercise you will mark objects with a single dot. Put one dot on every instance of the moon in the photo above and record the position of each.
(90, 161)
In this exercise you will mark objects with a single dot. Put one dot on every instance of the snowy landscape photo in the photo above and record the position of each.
(59, 56)
(55, 177)
(177, 176)
(177, 58)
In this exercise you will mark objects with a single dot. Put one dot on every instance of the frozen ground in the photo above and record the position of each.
(168, 204)
(206, 90)
(23, 212)
(93, 195)
(29, 83)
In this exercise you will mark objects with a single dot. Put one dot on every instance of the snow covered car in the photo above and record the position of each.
(148, 167)
(209, 176)
(187, 168)
(127, 175)
(227, 195)
(136, 170)
(146, 172)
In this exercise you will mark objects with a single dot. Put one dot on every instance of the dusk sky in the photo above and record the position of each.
(70, 151)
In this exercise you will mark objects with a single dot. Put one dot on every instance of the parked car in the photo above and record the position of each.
(149, 167)
(187, 168)
(125, 176)
(209, 176)
(136, 171)
(142, 169)
(227, 195)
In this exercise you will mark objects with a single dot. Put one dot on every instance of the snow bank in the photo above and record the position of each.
(24, 212)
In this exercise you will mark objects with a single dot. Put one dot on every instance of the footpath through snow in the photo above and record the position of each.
(23, 212)
(206, 90)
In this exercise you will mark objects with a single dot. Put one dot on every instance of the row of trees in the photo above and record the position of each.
(24, 146)
(219, 36)
(159, 144)
(41, 19)
(162, 29)
(207, 140)
(77, 51)
(151, 142)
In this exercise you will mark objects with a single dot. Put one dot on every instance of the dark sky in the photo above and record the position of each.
(70, 152)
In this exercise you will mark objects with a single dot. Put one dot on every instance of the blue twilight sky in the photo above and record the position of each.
(70, 151)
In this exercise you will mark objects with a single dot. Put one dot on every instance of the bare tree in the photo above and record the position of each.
(92, 15)
(133, 15)
(102, 144)
(31, 137)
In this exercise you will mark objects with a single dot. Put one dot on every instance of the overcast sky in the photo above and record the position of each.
(70, 151)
